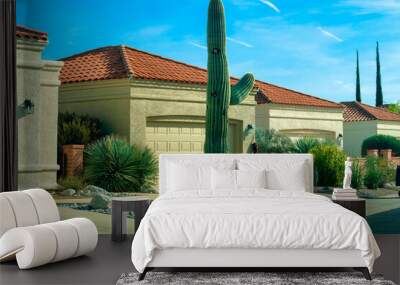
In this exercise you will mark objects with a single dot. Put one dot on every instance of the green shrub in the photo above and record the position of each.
(373, 173)
(381, 142)
(395, 108)
(270, 141)
(72, 182)
(328, 165)
(116, 166)
(305, 144)
(78, 129)
(357, 177)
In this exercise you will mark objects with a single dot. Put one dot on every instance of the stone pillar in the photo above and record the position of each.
(37, 80)
(387, 154)
(372, 152)
(73, 159)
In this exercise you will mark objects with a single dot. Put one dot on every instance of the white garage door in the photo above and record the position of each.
(318, 134)
(180, 137)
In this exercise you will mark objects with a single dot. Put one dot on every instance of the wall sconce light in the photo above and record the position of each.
(248, 130)
(26, 108)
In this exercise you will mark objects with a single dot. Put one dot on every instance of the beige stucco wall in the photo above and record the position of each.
(299, 121)
(354, 135)
(107, 100)
(389, 128)
(356, 132)
(127, 105)
(37, 80)
(184, 103)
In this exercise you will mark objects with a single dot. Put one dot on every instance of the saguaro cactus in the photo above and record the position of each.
(219, 92)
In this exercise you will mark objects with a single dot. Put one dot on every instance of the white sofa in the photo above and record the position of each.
(31, 230)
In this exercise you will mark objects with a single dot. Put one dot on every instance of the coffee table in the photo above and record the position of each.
(120, 208)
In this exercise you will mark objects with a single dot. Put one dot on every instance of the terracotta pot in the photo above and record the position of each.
(73, 159)
(386, 154)
(372, 152)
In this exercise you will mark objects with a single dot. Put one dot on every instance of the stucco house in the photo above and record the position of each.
(362, 121)
(159, 102)
(37, 82)
(297, 114)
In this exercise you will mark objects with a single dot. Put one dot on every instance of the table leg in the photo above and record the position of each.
(124, 230)
(117, 223)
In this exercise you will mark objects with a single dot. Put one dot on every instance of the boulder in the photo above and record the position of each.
(68, 192)
(85, 193)
(95, 190)
(100, 201)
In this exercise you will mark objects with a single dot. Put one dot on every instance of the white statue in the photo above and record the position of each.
(347, 174)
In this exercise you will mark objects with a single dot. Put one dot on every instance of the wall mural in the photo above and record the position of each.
(110, 97)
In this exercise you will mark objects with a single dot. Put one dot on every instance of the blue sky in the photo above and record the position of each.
(306, 45)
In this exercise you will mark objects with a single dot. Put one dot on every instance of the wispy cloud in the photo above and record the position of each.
(244, 3)
(330, 35)
(271, 5)
(153, 31)
(239, 42)
(145, 32)
(197, 45)
(373, 6)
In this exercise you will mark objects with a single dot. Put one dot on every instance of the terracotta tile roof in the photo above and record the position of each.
(355, 112)
(270, 93)
(115, 62)
(124, 62)
(30, 34)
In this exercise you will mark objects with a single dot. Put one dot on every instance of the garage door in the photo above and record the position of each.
(179, 137)
(318, 134)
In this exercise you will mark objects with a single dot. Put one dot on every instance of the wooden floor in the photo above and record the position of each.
(110, 260)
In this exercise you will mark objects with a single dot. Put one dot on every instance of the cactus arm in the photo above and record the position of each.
(242, 89)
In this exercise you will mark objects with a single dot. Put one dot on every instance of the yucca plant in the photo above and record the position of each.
(305, 144)
(115, 165)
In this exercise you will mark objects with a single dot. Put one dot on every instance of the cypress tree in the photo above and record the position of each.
(358, 85)
(379, 93)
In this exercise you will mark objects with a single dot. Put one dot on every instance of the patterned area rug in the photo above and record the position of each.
(243, 278)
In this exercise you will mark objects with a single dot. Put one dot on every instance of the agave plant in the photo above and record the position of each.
(115, 165)
(305, 144)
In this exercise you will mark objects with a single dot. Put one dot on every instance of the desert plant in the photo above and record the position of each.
(271, 141)
(328, 165)
(381, 142)
(219, 92)
(357, 177)
(73, 182)
(305, 144)
(78, 129)
(115, 165)
(74, 132)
